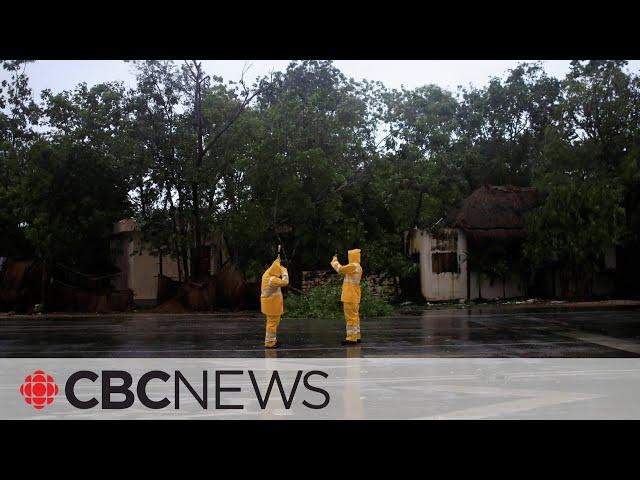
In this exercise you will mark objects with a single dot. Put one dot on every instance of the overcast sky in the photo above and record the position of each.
(65, 74)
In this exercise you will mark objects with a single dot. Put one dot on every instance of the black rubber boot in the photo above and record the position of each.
(348, 342)
(358, 341)
(277, 345)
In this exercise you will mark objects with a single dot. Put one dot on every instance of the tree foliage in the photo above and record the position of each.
(317, 162)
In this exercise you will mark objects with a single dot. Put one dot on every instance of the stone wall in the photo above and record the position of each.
(315, 278)
(379, 283)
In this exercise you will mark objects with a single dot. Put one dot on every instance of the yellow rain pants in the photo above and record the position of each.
(352, 318)
(271, 335)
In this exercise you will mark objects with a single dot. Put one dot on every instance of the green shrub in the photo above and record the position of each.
(324, 302)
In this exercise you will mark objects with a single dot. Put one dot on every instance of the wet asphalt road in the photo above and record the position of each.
(474, 332)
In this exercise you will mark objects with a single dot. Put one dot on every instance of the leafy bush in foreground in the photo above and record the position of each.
(324, 302)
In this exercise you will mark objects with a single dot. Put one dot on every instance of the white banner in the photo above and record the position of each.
(340, 388)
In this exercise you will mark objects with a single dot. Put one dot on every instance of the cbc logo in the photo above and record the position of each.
(39, 389)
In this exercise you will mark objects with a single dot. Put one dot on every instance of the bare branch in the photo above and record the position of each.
(243, 105)
(188, 65)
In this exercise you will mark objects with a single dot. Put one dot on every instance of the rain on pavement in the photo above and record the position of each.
(486, 331)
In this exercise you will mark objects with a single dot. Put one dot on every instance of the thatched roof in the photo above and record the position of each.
(496, 211)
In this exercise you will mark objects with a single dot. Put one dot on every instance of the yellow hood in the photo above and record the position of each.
(354, 255)
(275, 268)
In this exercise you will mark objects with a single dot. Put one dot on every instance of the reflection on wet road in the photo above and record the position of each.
(474, 332)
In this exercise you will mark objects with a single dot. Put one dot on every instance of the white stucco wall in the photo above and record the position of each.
(140, 269)
(446, 285)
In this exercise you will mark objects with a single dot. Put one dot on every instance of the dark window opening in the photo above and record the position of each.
(445, 241)
(444, 262)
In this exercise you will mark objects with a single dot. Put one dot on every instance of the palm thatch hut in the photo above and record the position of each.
(494, 211)
(478, 252)
(489, 224)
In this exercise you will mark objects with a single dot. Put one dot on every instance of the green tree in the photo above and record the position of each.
(19, 115)
(67, 199)
(184, 118)
(501, 126)
(419, 167)
(580, 218)
(302, 174)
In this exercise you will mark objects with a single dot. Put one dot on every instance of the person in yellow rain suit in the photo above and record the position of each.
(271, 302)
(350, 294)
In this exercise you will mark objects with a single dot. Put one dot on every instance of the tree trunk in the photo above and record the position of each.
(143, 203)
(178, 261)
(197, 233)
(185, 263)
(43, 285)
(416, 216)
(176, 249)
(183, 234)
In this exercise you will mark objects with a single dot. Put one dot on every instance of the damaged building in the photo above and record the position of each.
(157, 280)
(140, 269)
(487, 234)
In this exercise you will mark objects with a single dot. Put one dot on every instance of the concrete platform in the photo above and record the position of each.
(477, 332)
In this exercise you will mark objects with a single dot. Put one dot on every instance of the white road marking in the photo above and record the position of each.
(611, 342)
(533, 399)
